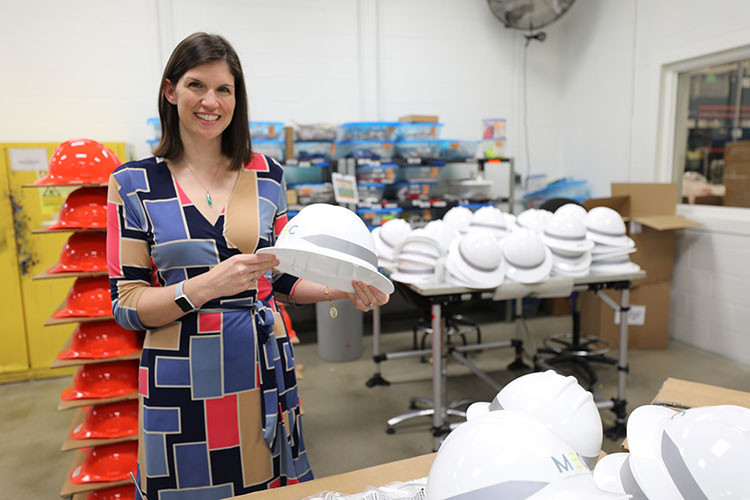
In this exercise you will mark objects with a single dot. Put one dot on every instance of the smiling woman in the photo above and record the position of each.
(218, 395)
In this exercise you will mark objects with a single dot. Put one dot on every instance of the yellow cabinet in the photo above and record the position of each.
(27, 347)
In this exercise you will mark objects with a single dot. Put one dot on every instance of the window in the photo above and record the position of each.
(713, 112)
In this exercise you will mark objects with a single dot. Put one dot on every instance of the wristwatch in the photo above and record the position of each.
(182, 300)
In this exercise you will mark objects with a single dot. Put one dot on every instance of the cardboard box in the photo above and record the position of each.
(648, 319)
(352, 482)
(649, 211)
(737, 174)
(558, 306)
(682, 395)
(419, 119)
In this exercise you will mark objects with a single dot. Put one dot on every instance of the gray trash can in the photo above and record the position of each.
(340, 338)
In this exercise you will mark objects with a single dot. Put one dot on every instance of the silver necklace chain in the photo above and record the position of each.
(208, 194)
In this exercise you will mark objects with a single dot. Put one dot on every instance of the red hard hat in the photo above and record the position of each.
(89, 298)
(107, 463)
(84, 252)
(103, 380)
(112, 420)
(101, 340)
(85, 208)
(116, 493)
(80, 161)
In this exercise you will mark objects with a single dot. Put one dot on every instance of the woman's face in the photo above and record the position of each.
(205, 100)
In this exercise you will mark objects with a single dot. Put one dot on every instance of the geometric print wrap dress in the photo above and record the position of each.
(219, 409)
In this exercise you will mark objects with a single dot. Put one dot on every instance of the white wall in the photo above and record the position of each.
(613, 129)
(86, 68)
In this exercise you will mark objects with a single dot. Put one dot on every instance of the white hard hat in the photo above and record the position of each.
(527, 257)
(441, 232)
(570, 263)
(412, 271)
(454, 275)
(419, 246)
(606, 226)
(509, 455)
(329, 245)
(420, 237)
(700, 453)
(458, 218)
(572, 209)
(622, 266)
(491, 218)
(605, 251)
(566, 234)
(534, 219)
(388, 236)
(560, 403)
(612, 473)
(479, 257)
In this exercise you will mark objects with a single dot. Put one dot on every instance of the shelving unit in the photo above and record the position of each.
(78, 446)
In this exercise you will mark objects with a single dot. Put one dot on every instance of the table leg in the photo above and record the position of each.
(377, 378)
(439, 429)
(517, 341)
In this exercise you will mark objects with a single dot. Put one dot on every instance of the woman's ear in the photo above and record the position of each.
(168, 91)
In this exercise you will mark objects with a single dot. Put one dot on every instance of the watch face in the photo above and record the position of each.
(183, 303)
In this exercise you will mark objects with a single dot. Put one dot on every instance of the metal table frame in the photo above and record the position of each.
(439, 295)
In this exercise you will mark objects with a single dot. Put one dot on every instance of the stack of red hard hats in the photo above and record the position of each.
(105, 385)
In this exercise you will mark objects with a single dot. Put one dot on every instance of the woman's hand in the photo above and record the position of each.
(230, 277)
(366, 298)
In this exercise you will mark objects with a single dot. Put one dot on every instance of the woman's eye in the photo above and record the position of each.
(224, 90)
(194, 85)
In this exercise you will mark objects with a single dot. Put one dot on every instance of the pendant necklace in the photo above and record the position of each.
(208, 195)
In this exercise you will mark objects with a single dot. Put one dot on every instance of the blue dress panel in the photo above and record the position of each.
(219, 409)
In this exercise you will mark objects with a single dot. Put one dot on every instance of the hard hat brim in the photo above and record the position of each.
(327, 267)
(622, 241)
(645, 427)
(607, 269)
(529, 276)
(481, 279)
(570, 246)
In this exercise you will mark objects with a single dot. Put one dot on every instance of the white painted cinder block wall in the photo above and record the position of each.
(613, 125)
(87, 68)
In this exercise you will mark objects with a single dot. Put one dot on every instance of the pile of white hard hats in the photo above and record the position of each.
(530, 248)
(475, 260)
(493, 219)
(534, 219)
(387, 237)
(514, 447)
(700, 453)
(419, 258)
(565, 235)
(330, 245)
(559, 402)
(527, 258)
(606, 229)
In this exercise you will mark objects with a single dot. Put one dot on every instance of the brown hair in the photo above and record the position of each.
(197, 49)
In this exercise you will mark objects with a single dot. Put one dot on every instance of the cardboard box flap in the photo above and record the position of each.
(665, 222)
(647, 199)
(619, 203)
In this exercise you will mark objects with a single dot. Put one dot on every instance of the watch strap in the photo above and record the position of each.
(182, 300)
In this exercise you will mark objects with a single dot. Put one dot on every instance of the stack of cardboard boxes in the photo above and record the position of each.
(737, 174)
(649, 213)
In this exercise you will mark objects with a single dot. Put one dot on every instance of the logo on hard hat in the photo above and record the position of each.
(289, 230)
(569, 463)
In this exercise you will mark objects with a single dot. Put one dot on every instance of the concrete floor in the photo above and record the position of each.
(344, 422)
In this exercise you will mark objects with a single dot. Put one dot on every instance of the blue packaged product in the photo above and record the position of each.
(266, 130)
(418, 130)
(418, 148)
(367, 131)
(372, 150)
